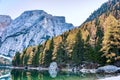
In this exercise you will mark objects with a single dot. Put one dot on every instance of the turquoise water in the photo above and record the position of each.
(6, 74)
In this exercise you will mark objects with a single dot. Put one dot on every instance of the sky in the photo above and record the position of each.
(75, 11)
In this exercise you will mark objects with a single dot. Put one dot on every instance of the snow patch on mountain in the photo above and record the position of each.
(5, 57)
(31, 28)
(4, 22)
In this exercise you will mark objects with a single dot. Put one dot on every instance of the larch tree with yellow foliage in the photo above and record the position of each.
(111, 39)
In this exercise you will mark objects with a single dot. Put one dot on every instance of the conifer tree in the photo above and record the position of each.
(16, 61)
(48, 53)
(36, 57)
(78, 49)
(25, 59)
(111, 39)
(61, 54)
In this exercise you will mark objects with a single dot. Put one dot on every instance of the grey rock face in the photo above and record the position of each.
(31, 28)
(4, 22)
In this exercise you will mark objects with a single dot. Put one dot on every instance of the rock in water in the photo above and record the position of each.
(53, 69)
(107, 69)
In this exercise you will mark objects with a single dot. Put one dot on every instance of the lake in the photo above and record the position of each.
(7, 74)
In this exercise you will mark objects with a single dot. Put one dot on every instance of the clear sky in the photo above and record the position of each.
(75, 11)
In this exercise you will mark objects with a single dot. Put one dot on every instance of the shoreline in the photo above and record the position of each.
(111, 78)
(43, 69)
(104, 69)
(87, 71)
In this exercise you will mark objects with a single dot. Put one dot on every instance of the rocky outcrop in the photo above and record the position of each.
(107, 69)
(31, 28)
(4, 22)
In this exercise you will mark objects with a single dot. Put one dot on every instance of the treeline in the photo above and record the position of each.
(95, 41)
(62, 53)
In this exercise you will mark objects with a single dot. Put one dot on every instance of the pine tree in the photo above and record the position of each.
(22, 57)
(25, 59)
(98, 54)
(40, 49)
(48, 53)
(16, 61)
(35, 59)
(78, 49)
(61, 54)
(42, 54)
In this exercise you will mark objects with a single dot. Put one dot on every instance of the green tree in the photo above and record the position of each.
(61, 55)
(42, 54)
(25, 59)
(36, 57)
(22, 57)
(78, 49)
(88, 53)
(93, 54)
(48, 53)
(16, 61)
(98, 54)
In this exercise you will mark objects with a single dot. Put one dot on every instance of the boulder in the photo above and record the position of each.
(107, 69)
(53, 69)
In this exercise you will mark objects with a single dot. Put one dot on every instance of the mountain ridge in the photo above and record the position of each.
(87, 41)
(31, 28)
(5, 20)
(105, 7)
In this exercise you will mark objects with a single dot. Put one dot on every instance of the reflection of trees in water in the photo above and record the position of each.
(30, 75)
(76, 76)
(26, 75)
(44, 75)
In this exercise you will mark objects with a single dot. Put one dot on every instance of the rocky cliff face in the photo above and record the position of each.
(31, 28)
(96, 40)
(4, 22)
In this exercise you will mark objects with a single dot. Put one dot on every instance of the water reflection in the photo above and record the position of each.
(26, 75)
(53, 69)
(53, 73)
(36, 75)
(5, 74)
(44, 75)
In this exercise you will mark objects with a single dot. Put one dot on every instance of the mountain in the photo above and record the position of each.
(96, 40)
(112, 6)
(31, 28)
(4, 22)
